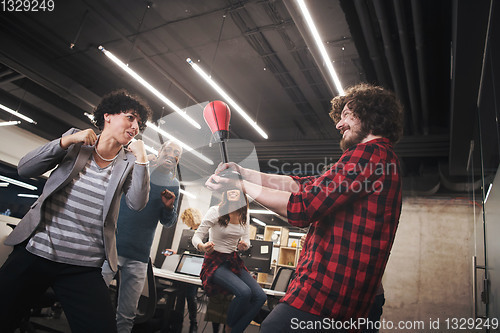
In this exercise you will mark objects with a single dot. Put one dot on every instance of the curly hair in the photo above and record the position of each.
(224, 208)
(120, 101)
(191, 217)
(378, 109)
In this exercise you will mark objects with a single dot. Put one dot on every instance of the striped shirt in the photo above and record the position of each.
(72, 229)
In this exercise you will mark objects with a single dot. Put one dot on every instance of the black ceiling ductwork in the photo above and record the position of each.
(430, 52)
(415, 105)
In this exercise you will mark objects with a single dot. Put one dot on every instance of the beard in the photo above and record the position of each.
(356, 137)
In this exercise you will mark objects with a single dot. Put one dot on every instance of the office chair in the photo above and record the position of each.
(280, 283)
(45, 301)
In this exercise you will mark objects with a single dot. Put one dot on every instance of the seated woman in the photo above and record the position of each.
(223, 270)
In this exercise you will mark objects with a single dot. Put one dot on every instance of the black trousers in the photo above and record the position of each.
(85, 299)
(187, 292)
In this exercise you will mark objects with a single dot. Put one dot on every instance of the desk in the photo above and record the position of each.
(168, 319)
(276, 293)
(166, 274)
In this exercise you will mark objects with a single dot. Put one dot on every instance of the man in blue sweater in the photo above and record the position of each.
(135, 232)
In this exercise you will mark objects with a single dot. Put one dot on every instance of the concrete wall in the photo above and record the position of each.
(429, 274)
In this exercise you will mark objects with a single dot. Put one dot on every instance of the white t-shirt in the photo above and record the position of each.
(225, 239)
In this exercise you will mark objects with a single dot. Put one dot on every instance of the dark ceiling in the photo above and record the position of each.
(432, 53)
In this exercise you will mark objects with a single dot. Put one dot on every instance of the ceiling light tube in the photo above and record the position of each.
(18, 183)
(296, 234)
(149, 86)
(23, 195)
(182, 144)
(321, 46)
(259, 222)
(10, 123)
(227, 98)
(148, 148)
(261, 211)
(488, 193)
(151, 149)
(187, 193)
(17, 114)
(4, 184)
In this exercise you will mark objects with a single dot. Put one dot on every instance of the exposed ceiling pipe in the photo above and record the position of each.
(59, 124)
(4, 70)
(370, 42)
(436, 146)
(424, 185)
(145, 56)
(45, 76)
(313, 114)
(420, 47)
(166, 75)
(407, 61)
(11, 77)
(294, 11)
(458, 184)
(390, 52)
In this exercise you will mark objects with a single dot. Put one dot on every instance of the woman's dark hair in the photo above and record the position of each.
(378, 109)
(224, 209)
(122, 101)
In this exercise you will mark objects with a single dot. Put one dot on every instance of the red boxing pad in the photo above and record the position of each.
(217, 115)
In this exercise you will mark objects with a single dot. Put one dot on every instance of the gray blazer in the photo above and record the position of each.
(127, 177)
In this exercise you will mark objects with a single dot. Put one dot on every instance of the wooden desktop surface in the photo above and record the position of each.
(166, 274)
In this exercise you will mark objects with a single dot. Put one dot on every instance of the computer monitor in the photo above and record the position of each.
(258, 257)
(186, 242)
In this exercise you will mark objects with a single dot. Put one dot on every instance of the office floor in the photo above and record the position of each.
(60, 324)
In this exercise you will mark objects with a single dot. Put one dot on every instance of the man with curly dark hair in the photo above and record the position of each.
(69, 231)
(380, 112)
(382, 115)
(352, 211)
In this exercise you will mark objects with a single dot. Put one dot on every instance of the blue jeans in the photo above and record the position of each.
(132, 277)
(248, 297)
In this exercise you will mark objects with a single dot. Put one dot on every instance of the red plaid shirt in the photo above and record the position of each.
(353, 211)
